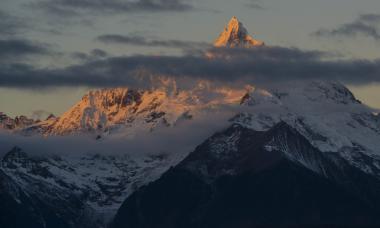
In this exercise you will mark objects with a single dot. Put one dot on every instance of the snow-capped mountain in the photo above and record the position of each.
(326, 113)
(103, 111)
(122, 109)
(317, 133)
(328, 132)
(301, 153)
(236, 35)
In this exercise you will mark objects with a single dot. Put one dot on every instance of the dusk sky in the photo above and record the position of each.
(55, 34)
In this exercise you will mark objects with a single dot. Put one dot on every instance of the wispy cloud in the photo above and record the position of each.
(365, 25)
(40, 114)
(11, 25)
(175, 141)
(94, 54)
(255, 4)
(14, 47)
(78, 7)
(142, 41)
(19, 49)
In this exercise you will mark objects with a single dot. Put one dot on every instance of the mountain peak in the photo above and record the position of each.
(234, 20)
(236, 35)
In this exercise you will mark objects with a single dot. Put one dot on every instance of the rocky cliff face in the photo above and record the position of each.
(19, 122)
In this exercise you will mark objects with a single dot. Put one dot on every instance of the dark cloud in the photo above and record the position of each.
(99, 53)
(95, 54)
(370, 18)
(259, 65)
(365, 25)
(142, 41)
(18, 49)
(255, 4)
(11, 25)
(78, 7)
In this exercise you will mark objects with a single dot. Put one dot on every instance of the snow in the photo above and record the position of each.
(121, 109)
(326, 113)
(104, 181)
(236, 35)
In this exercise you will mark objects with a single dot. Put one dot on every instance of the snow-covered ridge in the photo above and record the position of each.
(107, 110)
(325, 113)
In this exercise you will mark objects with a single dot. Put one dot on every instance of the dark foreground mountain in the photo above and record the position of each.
(244, 178)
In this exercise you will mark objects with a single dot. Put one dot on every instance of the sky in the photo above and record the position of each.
(41, 41)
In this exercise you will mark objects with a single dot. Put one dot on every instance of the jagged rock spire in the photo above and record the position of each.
(236, 35)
